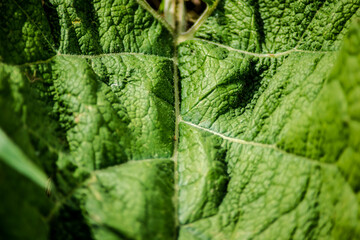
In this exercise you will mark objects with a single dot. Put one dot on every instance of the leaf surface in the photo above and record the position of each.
(245, 127)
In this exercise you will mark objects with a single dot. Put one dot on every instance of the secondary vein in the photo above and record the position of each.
(262, 55)
(255, 144)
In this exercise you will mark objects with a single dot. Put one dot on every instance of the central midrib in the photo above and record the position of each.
(179, 13)
(180, 35)
(176, 137)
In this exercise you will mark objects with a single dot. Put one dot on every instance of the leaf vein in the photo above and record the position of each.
(262, 55)
(255, 144)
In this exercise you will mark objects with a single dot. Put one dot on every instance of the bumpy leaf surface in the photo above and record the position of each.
(245, 127)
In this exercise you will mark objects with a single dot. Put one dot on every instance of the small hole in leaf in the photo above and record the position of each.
(194, 9)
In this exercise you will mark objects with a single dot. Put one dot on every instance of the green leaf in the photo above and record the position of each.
(244, 127)
(13, 156)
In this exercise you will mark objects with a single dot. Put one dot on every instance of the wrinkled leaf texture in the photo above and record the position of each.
(115, 127)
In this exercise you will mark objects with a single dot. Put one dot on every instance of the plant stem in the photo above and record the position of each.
(180, 16)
